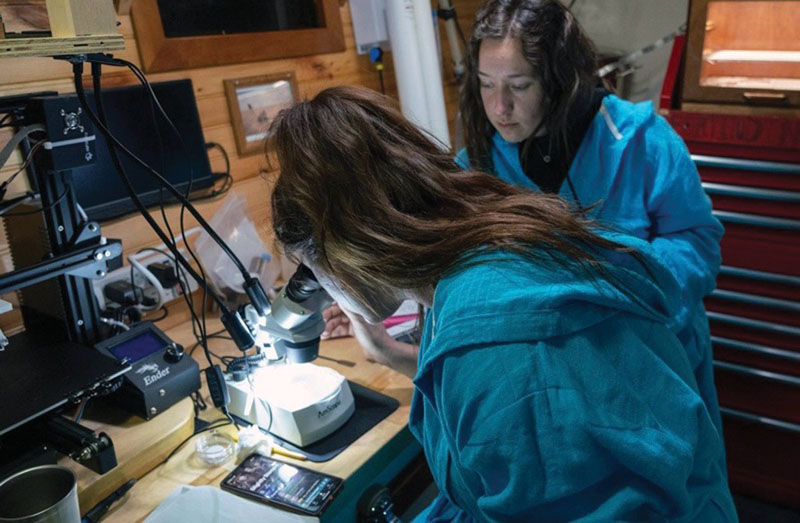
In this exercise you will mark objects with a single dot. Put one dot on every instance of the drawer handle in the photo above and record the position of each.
(764, 97)
(752, 299)
(751, 192)
(761, 420)
(702, 160)
(758, 373)
(757, 220)
(773, 277)
(755, 348)
(776, 328)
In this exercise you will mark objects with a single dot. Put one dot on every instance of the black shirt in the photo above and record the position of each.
(547, 162)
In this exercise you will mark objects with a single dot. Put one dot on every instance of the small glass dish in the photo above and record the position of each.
(215, 447)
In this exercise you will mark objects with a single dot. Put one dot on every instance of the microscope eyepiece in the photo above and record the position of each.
(302, 285)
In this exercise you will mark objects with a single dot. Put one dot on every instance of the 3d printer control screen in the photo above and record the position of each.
(137, 348)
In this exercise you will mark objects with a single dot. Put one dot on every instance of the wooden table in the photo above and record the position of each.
(376, 457)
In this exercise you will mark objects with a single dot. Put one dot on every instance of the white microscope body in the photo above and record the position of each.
(295, 400)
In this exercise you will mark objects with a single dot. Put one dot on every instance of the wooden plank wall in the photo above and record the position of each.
(314, 73)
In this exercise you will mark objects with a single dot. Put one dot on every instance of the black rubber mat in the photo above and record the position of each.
(371, 408)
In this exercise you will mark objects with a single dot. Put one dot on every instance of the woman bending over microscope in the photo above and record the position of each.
(549, 384)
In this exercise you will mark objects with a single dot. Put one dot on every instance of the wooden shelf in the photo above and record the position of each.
(48, 46)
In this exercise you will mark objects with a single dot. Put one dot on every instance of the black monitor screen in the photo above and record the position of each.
(143, 130)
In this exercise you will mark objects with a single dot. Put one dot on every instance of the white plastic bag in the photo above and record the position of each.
(231, 223)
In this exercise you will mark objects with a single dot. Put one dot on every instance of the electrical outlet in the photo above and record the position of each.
(139, 280)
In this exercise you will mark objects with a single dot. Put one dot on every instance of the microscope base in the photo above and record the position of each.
(307, 402)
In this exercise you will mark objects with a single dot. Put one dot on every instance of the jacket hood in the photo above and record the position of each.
(520, 300)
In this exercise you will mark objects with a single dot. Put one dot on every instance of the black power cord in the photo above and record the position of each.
(115, 158)
(37, 211)
(235, 324)
(230, 318)
(227, 182)
(216, 145)
(187, 295)
(138, 73)
(198, 324)
(28, 159)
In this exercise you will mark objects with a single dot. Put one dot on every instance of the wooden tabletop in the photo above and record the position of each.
(184, 468)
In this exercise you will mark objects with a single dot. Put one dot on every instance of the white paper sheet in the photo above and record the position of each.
(213, 505)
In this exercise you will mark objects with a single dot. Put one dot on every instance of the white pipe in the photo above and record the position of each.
(405, 55)
(431, 72)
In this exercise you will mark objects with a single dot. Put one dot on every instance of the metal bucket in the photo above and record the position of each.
(45, 494)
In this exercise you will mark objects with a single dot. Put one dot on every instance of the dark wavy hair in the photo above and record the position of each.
(368, 196)
(563, 59)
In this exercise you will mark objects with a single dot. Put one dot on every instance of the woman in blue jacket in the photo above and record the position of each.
(534, 116)
(548, 384)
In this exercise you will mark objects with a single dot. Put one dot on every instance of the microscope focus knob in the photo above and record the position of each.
(238, 374)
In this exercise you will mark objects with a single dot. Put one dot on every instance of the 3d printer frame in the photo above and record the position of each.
(58, 252)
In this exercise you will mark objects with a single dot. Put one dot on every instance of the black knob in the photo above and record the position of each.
(239, 374)
(173, 353)
(376, 506)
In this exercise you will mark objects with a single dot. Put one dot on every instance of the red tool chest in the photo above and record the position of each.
(749, 165)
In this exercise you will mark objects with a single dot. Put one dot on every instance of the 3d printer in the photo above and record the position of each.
(58, 249)
(57, 253)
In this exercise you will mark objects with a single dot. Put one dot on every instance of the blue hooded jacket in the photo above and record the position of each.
(543, 394)
(639, 172)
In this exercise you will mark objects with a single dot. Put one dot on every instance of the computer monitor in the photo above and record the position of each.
(98, 186)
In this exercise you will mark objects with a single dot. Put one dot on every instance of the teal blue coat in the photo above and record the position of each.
(542, 395)
(634, 165)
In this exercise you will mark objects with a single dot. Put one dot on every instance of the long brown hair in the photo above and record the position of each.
(563, 59)
(371, 198)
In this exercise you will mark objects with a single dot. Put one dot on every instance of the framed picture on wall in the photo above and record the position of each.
(253, 103)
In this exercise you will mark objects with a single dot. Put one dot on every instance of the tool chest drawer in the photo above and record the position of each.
(763, 457)
(775, 285)
(759, 248)
(781, 313)
(748, 137)
(754, 331)
(756, 356)
(750, 174)
(754, 201)
(753, 390)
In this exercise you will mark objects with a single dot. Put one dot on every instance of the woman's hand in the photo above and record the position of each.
(375, 341)
(380, 347)
(337, 324)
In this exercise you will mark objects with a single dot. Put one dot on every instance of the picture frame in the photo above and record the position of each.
(253, 103)
(160, 51)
